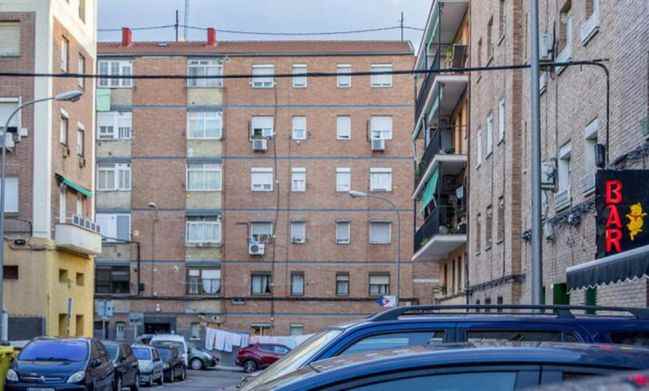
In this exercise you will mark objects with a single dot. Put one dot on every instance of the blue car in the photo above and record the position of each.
(407, 326)
(494, 367)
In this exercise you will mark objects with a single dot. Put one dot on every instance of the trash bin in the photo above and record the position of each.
(7, 354)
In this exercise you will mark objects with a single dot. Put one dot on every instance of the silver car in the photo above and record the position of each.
(149, 363)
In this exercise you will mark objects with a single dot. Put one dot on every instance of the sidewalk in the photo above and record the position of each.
(228, 368)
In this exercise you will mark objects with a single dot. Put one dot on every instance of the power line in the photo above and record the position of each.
(268, 33)
(142, 28)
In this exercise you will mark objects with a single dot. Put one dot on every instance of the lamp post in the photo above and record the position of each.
(68, 96)
(397, 261)
(154, 223)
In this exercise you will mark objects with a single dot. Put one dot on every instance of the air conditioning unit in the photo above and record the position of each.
(23, 132)
(378, 144)
(255, 248)
(545, 46)
(259, 144)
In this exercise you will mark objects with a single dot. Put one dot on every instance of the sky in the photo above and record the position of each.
(264, 16)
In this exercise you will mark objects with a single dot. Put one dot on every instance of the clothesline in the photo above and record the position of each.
(225, 341)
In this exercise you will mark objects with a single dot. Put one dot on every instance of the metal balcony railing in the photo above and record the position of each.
(204, 287)
(441, 221)
(441, 142)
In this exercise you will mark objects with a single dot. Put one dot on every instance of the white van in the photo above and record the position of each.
(174, 340)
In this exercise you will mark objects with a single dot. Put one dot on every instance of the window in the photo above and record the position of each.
(520, 335)
(81, 141)
(65, 49)
(299, 128)
(395, 341)
(297, 284)
(299, 80)
(63, 276)
(10, 272)
(298, 232)
(565, 32)
(12, 192)
(490, 40)
(502, 18)
(195, 330)
(261, 232)
(81, 279)
(488, 228)
(263, 76)
(590, 147)
(342, 284)
(261, 127)
(7, 106)
(9, 39)
(63, 129)
(296, 329)
(81, 69)
(82, 10)
(261, 179)
(381, 128)
(452, 381)
(114, 226)
(478, 149)
(113, 125)
(203, 230)
(260, 284)
(79, 206)
(114, 177)
(380, 232)
(198, 68)
(298, 179)
(204, 125)
(344, 78)
(501, 220)
(112, 279)
(502, 119)
(63, 213)
(380, 179)
(115, 68)
(203, 282)
(204, 177)
(343, 179)
(490, 135)
(637, 338)
(564, 172)
(478, 233)
(479, 56)
(381, 80)
(379, 284)
(343, 232)
(343, 127)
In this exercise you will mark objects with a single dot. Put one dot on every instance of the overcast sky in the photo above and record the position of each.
(265, 15)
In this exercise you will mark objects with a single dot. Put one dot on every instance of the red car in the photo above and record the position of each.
(259, 356)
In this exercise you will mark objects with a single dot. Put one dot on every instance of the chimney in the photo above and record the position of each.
(127, 36)
(211, 36)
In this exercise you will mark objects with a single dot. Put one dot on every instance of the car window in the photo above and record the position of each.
(279, 349)
(156, 354)
(112, 350)
(142, 353)
(101, 351)
(520, 335)
(484, 381)
(637, 338)
(55, 350)
(394, 341)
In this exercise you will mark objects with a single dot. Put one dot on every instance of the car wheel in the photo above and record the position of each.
(249, 366)
(118, 384)
(136, 386)
(196, 364)
(184, 374)
(161, 381)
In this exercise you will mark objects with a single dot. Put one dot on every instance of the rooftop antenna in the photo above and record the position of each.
(186, 28)
(401, 26)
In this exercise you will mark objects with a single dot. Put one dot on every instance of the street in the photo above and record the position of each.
(212, 380)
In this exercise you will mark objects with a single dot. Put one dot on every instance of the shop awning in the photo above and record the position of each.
(431, 188)
(75, 186)
(626, 265)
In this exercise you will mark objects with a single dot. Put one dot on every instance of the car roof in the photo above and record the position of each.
(168, 337)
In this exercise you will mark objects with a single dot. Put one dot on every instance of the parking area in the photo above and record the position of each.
(212, 380)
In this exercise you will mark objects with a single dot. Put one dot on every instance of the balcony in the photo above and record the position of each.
(78, 235)
(443, 232)
(204, 287)
(441, 155)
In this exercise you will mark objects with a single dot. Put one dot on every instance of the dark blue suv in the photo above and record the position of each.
(407, 326)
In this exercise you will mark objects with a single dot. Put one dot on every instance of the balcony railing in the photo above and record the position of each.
(79, 235)
(441, 142)
(441, 221)
(204, 287)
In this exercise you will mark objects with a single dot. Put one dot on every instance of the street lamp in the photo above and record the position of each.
(397, 261)
(68, 96)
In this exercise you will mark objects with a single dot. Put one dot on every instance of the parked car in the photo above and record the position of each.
(174, 368)
(495, 367)
(61, 364)
(150, 364)
(176, 340)
(201, 359)
(260, 356)
(406, 326)
(127, 373)
(625, 381)
(144, 339)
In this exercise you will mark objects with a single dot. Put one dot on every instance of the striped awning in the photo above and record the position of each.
(627, 265)
(73, 185)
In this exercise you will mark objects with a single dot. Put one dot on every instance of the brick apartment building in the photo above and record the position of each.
(50, 239)
(228, 201)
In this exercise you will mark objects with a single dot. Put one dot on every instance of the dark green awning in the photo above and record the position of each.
(431, 188)
(75, 186)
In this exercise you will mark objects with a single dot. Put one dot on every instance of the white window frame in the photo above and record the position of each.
(381, 81)
(298, 179)
(14, 102)
(343, 78)
(102, 218)
(343, 127)
(115, 68)
(299, 131)
(204, 67)
(590, 145)
(81, 69)
(118, 125)
(478, 150)
(564, 176)
(204, 169)
(300, 81)
(502, 119)
(64, 132)
(268, 73)
(63, 208)
(261, 186)
(348, 226)
(381, 127)
(293, 285)
(266, 234)
(80, 140)
(118, 170)
(203, 222)
(371, 234)
(490, 135)
(202, 118)
(261, 122)
(65, 54)
(11, 30)
(343, 179)
(298, 232)
(590, 26)
(374, 185)
(12, 194)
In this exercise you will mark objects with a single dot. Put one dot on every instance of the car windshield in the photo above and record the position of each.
(174, 344)
(165, 354)
(55, 350)
(112, 349)
(297, 358)
(142, 353)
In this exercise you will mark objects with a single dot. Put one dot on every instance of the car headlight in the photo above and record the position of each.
(77, 377)
(166, 366)
(147, 367)
(12, 375)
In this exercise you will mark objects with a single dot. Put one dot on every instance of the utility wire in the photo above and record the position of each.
(291, 34)
(143, 28)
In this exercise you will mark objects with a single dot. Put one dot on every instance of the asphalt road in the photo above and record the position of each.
(212, 380)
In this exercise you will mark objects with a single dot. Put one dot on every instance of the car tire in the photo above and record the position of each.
(161, 381)
(136, 385)
(249, 366)
(197, 364)
(184, 375)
